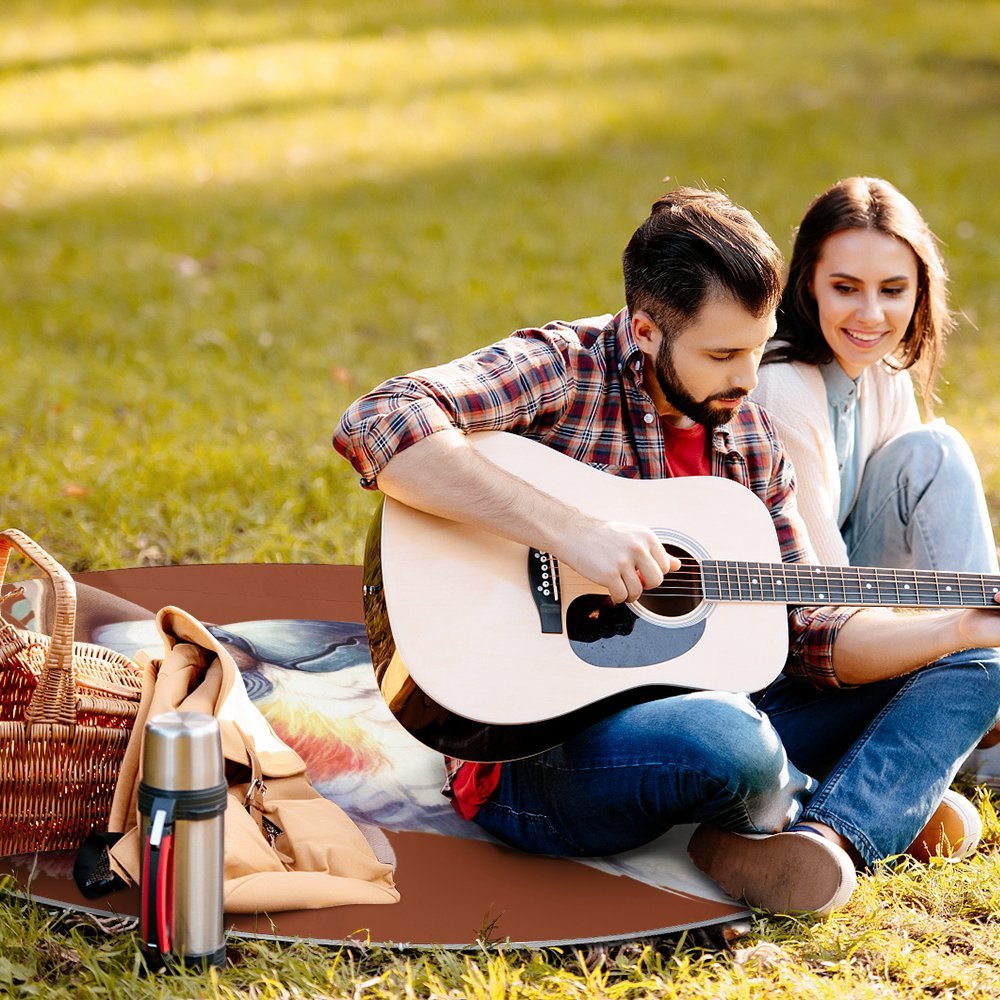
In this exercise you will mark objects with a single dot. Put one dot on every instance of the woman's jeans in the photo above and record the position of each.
(886, 752)
(921, 506)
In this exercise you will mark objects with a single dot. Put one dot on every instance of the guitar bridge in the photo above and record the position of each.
(543, 578)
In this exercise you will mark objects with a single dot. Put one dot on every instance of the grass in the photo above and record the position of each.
(222, 221)
(911, 931)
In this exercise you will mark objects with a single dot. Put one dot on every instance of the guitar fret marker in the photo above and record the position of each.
(754, 581)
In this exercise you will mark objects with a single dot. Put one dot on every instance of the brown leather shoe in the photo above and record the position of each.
(789, 872)
(953, 832)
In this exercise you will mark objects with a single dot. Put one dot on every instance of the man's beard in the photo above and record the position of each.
(680, 399)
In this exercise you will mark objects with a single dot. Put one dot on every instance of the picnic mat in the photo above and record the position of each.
(296, 634)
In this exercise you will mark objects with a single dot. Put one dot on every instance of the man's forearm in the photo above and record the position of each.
(878, 643)
(444, 475)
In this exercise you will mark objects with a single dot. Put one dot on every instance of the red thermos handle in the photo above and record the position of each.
(157, 897)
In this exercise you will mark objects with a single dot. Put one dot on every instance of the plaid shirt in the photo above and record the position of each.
(577, 387)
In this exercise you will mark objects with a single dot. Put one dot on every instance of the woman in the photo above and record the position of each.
(865, 304)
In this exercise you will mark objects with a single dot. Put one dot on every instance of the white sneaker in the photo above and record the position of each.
(789, 872)
(953, 832)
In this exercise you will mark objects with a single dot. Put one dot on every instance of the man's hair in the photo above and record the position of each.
(874, 204)
(693, 245)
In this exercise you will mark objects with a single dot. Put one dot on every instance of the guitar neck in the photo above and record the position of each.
(801, 583)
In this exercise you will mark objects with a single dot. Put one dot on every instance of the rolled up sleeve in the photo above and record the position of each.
(812, 632)
(383, 423)
(518, 383)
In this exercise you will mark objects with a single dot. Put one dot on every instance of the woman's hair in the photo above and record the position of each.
(866, 203)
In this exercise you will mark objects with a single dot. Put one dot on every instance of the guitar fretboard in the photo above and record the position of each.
(791, 583)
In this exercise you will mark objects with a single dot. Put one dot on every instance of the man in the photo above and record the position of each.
(857, 742)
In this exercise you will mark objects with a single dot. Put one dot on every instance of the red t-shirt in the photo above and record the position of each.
(686, 450)
(686, 455)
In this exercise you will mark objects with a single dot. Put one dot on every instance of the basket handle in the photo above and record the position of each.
(54, 700)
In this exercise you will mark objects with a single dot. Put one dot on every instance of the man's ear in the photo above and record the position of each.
(646, 333)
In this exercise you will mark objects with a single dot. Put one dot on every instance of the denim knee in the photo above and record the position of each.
(976, 673)
(765, 792)
(747, 751)
(923, 454)
(921, 506)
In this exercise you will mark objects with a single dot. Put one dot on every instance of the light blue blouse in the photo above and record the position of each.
(842, 402)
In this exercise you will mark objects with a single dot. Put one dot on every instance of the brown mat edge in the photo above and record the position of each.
(131, 922)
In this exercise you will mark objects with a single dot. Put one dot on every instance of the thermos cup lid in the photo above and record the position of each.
(182, 752)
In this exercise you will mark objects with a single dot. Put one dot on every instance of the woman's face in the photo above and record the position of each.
(865, 285)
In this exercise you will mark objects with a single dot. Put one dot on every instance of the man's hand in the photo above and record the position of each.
(980, 627)
(624, 558)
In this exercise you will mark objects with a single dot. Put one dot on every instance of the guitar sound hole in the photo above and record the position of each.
(680, 593)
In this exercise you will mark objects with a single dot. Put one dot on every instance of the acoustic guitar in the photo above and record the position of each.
(485, 649)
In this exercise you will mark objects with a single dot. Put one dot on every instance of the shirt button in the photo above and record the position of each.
(648, 418)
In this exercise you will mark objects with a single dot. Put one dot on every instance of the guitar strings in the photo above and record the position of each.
(690, 580)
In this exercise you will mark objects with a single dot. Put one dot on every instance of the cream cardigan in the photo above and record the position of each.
(794, 395)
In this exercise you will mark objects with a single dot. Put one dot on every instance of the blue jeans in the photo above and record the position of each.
(921, 506)
(695, 757)
(884, 753)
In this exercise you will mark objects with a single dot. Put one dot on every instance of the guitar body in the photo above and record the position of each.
(478, 664)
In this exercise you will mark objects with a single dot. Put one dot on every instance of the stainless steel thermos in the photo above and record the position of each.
(182, 801)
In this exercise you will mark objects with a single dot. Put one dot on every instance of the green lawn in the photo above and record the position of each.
(221, 221)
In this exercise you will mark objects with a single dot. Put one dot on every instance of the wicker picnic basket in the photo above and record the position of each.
(66, 711)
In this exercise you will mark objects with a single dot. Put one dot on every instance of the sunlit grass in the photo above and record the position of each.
(365, 106)
(909, 932)
(220, 224)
